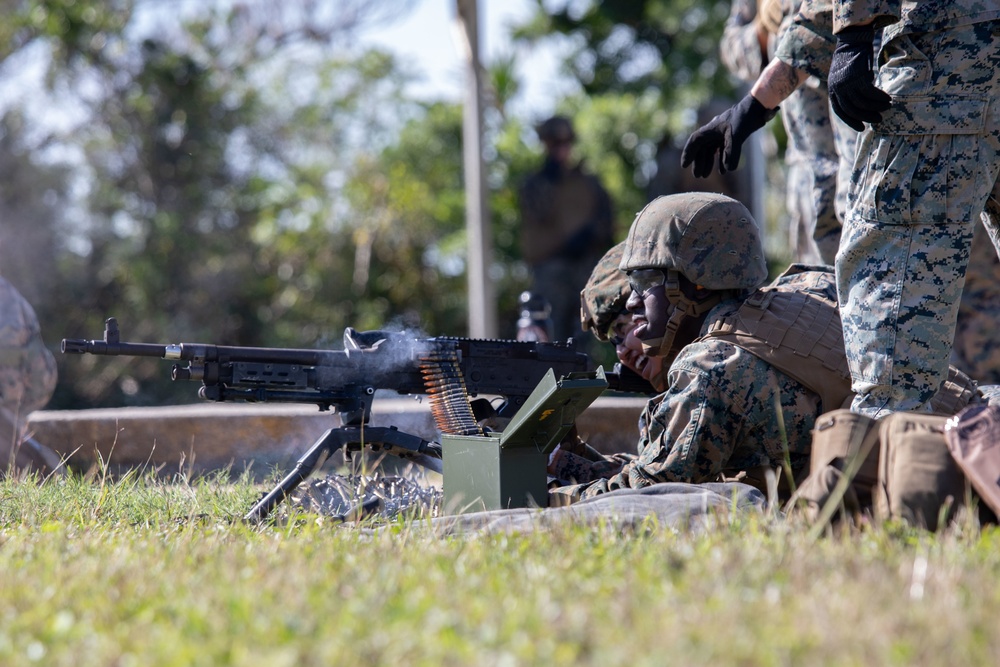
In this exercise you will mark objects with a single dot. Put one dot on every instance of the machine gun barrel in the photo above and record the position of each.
(82, 346)
(112, 346)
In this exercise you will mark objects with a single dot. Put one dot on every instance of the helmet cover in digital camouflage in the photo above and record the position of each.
(710, 239)
(603, 298)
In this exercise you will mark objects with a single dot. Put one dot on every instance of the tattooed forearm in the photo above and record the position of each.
(777, 82)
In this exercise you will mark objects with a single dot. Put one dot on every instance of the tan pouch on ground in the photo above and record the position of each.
(847, 441)
(973, 437)
(843, 443)
(918, 480)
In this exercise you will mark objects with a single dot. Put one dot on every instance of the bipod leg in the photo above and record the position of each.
(328, 443)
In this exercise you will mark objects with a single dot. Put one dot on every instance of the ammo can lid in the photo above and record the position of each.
(549, 412)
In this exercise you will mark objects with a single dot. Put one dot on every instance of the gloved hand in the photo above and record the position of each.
(851, 82)
(725, 134)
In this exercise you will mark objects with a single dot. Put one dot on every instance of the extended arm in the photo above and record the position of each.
(724, 135)
(776, 83)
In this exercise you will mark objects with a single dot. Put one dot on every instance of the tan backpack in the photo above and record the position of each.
(973, 437)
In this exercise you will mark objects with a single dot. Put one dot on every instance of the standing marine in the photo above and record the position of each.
(927, 168)
(566, 226)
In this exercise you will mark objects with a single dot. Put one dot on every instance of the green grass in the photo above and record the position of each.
(142, 572)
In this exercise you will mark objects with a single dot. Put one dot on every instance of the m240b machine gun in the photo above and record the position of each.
(450, 371)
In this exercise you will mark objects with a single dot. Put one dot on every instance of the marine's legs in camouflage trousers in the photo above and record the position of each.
(811, 156)
(977, 338)
(845, 138)
(920, 182)
(900, 287)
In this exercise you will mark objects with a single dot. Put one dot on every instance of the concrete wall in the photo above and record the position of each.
(205, 437)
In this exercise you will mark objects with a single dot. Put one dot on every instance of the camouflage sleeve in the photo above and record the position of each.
(740, 49)
(725, 409)
(807, 41)
(856, 12)
(817, 280)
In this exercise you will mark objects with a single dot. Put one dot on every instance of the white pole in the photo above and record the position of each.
(481, 296)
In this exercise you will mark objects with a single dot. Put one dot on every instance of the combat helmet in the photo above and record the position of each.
(605, 294)
(710, 239)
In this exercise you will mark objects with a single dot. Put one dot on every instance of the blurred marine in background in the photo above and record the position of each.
(566, 226)
(27, 380)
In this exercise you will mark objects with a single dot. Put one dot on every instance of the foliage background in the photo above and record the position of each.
(245, 173)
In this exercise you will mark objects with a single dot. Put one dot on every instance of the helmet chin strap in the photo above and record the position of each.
(683, 308)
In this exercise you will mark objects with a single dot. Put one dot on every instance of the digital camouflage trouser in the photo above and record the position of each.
(921, 180)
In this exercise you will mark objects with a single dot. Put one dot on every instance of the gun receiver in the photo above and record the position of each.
(449, 370)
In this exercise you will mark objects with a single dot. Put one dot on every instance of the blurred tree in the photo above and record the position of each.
(412, 243)
(634, 46)
(409, 237)
(644, 68)
(212, 146)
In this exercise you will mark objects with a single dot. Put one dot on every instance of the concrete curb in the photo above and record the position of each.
(206, 437)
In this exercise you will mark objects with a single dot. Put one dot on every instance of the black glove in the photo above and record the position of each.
(725, 135)
(851, 82)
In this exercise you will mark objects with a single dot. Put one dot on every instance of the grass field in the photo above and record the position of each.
(143, 572)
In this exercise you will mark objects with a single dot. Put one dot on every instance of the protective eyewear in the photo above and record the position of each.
(643, 280)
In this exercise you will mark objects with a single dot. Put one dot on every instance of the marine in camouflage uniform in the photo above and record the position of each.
(27, 380)
(806, 45)
(746, 383)
(724, 409)
(566, 225)
(923, 176)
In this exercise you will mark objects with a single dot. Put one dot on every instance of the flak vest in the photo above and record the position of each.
(800, 334)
